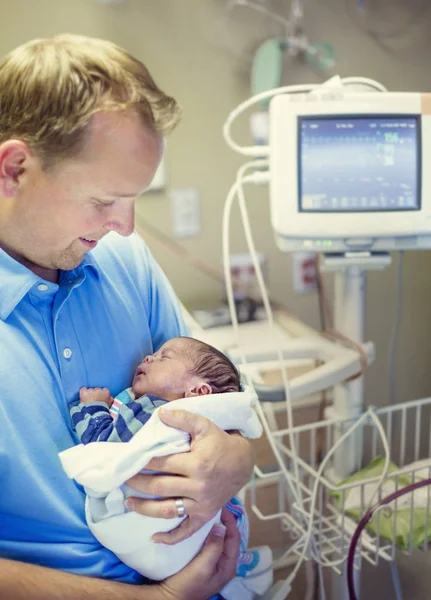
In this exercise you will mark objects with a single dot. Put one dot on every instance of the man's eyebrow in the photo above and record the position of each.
(121, 195)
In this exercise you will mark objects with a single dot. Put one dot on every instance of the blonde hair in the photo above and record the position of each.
(50, 88)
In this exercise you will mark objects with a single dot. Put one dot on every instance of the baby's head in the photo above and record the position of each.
(185, 367)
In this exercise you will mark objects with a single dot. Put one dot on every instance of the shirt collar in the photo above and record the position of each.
(16, 280)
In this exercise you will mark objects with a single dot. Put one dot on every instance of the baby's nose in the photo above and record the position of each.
(148, 358)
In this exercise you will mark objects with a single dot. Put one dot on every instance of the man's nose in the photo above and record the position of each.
(122, 217)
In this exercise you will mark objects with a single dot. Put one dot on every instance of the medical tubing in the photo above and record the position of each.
(287, 89)
(365, 81)
(308, 535)
(257, 150)
(368, 413)
(386, 451)
(237, 188)
(230, 298)
(270, 317)
(364, 522)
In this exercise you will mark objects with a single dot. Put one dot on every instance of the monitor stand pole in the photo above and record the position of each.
(349, 319)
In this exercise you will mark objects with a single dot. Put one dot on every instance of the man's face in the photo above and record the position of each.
(166, 374)
(57, 216)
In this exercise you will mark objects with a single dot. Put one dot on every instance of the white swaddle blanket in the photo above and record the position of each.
(103, 467)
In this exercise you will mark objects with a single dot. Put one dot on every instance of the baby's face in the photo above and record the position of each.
(166, 373)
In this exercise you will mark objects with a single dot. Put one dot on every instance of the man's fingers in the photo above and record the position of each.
(164, 486)
(163, 509)
(173, 463)
(232, 539)
(196, 425)
(206, 561)
(180, 533)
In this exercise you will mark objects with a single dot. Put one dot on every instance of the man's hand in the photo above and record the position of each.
(216, 468)
(213, 567)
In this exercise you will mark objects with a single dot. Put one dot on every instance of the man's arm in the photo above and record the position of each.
(22, 581)
(203, 577)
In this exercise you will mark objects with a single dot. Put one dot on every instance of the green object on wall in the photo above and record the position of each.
(267, 68)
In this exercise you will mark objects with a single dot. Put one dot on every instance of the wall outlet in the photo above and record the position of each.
(304, 272)
(185, 212)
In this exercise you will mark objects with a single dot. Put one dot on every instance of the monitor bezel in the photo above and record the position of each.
(288, 222)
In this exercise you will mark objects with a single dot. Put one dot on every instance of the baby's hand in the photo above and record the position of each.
(87, 395)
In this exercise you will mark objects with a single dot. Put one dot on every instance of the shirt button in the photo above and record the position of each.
(42, 287)
(67, 353)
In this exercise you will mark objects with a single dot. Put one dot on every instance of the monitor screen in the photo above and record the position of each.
(359, 164)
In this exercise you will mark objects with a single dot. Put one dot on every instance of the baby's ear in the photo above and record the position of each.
(201, 389)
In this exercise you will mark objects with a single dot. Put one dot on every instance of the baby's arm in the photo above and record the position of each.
(91, 418)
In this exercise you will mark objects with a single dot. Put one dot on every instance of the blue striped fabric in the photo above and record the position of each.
(93, 422)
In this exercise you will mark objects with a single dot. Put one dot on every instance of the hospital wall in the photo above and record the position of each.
(206, 64)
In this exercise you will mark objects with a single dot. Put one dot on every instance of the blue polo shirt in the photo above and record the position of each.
(91, 329)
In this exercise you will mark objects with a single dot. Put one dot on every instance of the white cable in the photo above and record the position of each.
(237, 188)
(307, 537)
(369, 413)
(364, 81)
(270, 318)
(313, 500)
(259, 151)
(292, 482)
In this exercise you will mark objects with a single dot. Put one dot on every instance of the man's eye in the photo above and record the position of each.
(103, 202)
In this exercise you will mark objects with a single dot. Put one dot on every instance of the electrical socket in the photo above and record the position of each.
(304, 272)
(185, 212)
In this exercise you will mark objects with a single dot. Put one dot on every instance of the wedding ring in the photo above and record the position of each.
(180, 507)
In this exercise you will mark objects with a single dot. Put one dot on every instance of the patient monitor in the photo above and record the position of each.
(348, 171)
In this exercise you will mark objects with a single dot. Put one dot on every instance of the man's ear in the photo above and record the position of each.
(14, 154)
(201, 389)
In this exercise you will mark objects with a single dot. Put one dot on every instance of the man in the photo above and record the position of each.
(80, 138)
